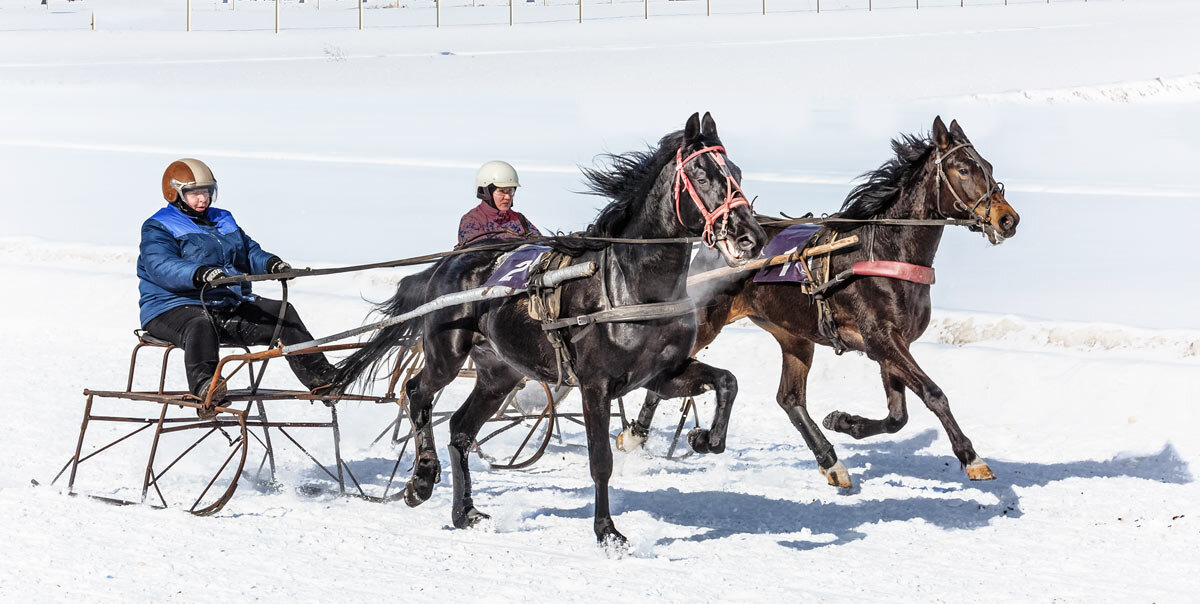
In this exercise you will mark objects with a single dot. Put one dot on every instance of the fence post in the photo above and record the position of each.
(234, 4)
(510, 13)
(764, 7)
(360, 11)
(580, 10)
(708, 5)
(93, 20)
(276, 16)
(189, 15)
(646, 4)
(870, 6)
(438, 5)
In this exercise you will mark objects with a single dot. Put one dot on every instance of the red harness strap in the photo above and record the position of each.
(895, 270)
(733, 192)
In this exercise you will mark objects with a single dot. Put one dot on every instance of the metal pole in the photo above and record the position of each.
(510, 13)
(276, 16)
(93, 20)
(580, 10)
(708, 4)
(818, 6)
(438, 5)
(234, 4)
(360, 14)
(189, 15)
(646, 4)
(764, 6)
(869, 5)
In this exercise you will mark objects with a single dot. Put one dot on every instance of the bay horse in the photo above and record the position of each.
(686, 187)
(930, 178)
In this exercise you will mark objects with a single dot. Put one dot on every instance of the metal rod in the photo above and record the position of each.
(337, 449)
(189, 15)
(360, 12)
(153, 448)
(87, 412)
(549, 279)
(276, 16)
(218, 474)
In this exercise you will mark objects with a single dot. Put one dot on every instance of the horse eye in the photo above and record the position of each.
(963, 171)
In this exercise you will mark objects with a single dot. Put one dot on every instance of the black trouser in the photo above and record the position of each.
(250, 324)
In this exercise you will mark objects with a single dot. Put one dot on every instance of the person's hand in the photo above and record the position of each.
(205, 275)
(278, 266)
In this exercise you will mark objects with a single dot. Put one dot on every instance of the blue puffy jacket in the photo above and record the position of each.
(174, 247)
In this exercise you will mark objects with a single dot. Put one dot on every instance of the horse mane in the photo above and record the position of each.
(883, 185)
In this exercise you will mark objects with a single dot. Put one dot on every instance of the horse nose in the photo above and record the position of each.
(1008, 224)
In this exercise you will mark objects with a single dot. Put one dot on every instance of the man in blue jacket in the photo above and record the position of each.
(185, 247)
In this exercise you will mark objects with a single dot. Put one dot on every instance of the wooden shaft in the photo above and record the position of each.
(753, 265)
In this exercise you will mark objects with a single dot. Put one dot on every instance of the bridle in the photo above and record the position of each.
(994, 187)
(734, 197)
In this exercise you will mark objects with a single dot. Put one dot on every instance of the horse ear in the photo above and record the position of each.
(941, 137)
(957, 132)
(691, 131)
(708, 126)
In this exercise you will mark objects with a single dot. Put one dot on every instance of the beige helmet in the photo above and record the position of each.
(495, 173)
(186, 174)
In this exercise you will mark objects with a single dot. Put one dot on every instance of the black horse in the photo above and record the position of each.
(932, 178)
(684, 188)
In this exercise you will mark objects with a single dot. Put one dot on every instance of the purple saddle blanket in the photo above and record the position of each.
(792, 239)
(515, 266)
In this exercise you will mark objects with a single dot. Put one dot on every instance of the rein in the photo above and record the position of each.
(732, 201)
(959, 204)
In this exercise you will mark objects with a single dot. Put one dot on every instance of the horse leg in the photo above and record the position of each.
(862, 427)
(635, 435)
(495, 380)
(443, 358)
(900, 370)
(695, 378)
(596, 415)
(793, 398)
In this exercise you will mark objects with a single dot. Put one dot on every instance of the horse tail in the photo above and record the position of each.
(365, 362)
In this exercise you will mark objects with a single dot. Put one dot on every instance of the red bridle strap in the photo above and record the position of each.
(734, 196)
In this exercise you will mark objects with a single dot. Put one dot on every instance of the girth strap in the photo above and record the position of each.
(621, 314)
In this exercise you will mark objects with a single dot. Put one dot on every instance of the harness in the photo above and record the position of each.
(732, 199)
(940, 177)
(545, 305)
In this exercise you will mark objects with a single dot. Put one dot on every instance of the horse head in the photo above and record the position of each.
(709, 201)
(966, 189)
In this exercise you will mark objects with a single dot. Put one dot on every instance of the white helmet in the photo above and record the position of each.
(495, 173)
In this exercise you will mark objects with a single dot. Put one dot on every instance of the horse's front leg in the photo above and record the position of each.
(596, 415)
(694, 379)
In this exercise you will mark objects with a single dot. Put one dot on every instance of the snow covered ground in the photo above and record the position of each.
(1070, 354)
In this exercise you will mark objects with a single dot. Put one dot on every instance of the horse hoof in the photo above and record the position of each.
(700, 440)
(831, 421)
(627, 441)
(417, 491)
(979, 470)
(838, 476)
(469, 518)
(614, 543)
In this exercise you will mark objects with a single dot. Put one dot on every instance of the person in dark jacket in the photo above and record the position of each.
(496, 186)
(185, 247)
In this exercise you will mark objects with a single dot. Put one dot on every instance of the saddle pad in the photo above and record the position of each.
(514, 267)
(792, 239)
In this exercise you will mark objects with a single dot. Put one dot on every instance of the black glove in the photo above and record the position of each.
(275, 265)
(206, 275)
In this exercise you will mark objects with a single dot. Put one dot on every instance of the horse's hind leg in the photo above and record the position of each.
(444, 355)
(695, 378)
(495, 381)
(900, 370)
(635, 435)
(792, 397)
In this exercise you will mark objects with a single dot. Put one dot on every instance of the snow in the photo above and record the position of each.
(1069, 354)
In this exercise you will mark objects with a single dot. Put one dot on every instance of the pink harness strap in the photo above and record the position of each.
(895, 270)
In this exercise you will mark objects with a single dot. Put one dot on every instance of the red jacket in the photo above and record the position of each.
(486, 222)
